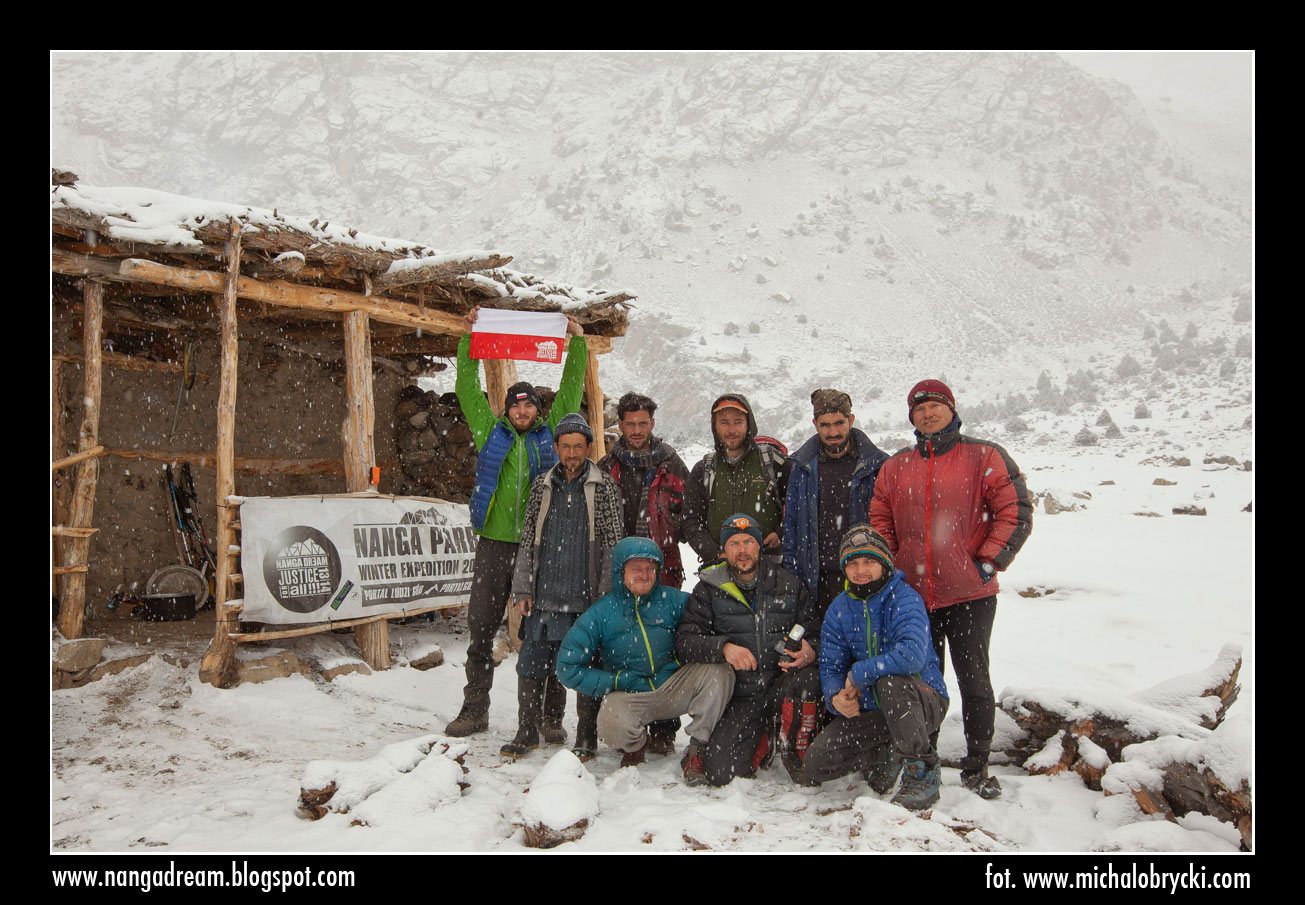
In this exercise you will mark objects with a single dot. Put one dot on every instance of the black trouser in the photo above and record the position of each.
(909, 713)
(734, 742)
(967, 628)
(490, 587)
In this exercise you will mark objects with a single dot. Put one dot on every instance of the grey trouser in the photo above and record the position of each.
(699, 689)
(910, 712)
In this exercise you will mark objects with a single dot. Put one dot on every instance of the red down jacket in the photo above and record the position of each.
(945, 506)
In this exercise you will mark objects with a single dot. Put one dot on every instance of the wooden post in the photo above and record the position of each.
(72, 600)
(59, 495)
(499, 375)
(594, 395)
(218, 667)
(373, 638)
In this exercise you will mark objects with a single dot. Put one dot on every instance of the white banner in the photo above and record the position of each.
(322, 559)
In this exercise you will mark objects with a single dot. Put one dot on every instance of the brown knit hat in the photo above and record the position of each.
(827, 402)
(862, 540)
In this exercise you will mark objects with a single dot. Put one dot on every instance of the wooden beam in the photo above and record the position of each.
(78, 457)
(218, 666)
(439, 272)
(117, 360)
(61, 531)
(372, 637)
(292, 295)
(261, 465)
(360, 412)
(594, 395)
(72, 600)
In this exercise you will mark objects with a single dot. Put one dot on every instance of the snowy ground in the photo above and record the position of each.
(153, 759)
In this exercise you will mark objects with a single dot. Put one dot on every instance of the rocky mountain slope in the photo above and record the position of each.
(786, 220)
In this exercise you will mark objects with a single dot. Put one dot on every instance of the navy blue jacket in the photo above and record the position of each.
(801, 531)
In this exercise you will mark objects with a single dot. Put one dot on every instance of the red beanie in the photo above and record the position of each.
(926, 390)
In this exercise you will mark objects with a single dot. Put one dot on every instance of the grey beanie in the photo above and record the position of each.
(574, 423)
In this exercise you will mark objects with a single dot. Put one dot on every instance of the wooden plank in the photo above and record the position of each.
(218, 666)
(72, 599)
(68, 570)
(63, 531)
(319, 627)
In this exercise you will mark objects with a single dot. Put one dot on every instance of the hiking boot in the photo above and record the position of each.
(920, 784)
(525, 741)
(469, 721)
(695, 772)
(634, 758)
(585, 752)
(661, 736)
(974, 776)
(883, 773)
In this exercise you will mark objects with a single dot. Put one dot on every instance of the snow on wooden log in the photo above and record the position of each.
(330, 786)
(560, 803)
(1173, 776)
(1169, 746)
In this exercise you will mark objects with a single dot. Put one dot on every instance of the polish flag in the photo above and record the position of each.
(519, 335)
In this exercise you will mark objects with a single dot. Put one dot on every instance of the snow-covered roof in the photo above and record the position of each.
(143, 222)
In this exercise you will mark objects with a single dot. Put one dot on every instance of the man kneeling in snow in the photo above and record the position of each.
(881, 677)
(631, 631)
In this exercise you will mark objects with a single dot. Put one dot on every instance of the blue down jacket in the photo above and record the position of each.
(886, 635)
(635, 637)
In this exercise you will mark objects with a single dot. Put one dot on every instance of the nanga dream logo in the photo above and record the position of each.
(301, 568)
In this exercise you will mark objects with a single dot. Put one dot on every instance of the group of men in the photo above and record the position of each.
(832, 582)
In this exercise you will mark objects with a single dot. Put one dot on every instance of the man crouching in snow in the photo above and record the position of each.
(741, 613)
(632, 632)
(880, 675)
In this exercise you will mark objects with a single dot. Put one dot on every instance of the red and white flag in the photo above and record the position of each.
(519, 335)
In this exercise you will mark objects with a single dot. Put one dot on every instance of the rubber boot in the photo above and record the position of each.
(554, 710)
(586, 730)
(530, 715)
(472, 718)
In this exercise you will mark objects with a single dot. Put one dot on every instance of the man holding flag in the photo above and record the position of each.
(513, 449)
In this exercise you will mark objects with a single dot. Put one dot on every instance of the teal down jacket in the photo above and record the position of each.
(634, 637)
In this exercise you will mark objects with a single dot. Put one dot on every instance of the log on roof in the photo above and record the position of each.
(191, 232)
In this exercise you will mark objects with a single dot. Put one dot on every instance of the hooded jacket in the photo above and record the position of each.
(801, 515)
(507, 461)
(946, 505)
(664, 478)
(756, 485)
(719, 612)
(634, 637)
(884, 635)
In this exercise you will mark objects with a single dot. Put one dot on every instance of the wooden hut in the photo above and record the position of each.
(142, 277)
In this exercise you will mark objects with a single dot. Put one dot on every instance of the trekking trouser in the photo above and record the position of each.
(491, 585)
(967, 630)
(910, 711)
(735, 747)
(699, 689)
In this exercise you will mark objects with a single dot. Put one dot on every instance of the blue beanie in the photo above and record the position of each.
(738, 523)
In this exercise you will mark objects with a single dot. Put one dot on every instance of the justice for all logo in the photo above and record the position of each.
(302, 569)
